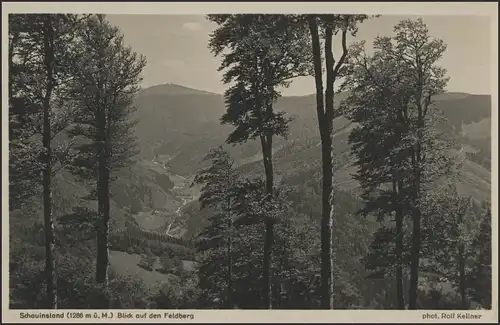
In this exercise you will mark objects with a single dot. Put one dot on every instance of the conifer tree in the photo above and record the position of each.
(106, 80)
(216, 240)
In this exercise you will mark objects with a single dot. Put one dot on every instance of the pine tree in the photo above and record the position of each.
(106, 80)
(216, 240)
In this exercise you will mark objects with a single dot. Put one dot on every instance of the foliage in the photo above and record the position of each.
(106, 80)
(260, 53)
(480, 276)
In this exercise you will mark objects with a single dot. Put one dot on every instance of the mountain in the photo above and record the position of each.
(183, 124)
(178, 125)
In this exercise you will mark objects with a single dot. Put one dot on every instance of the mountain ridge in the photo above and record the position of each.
(171, 88)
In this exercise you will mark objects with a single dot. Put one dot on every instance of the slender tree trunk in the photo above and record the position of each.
(102, 195)
(268, 240)
(102, 178)
(416, 236)
(326, 227)
(48, 38)
(229, 257)
(326, 157)
(267, 151)
(396, 187)
(415, 259)
(328, 222)
(103, 229)
(462, 280)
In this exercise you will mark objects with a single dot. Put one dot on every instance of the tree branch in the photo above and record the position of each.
(344, 49)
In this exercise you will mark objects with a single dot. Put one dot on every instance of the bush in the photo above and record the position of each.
(76, 286)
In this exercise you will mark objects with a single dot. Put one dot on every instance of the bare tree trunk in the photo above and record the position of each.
(396, 187)
(102, 178)
(462, 280)
(267, 151)
(417, 215)
(229, 257)
(325, 117)
(266, 142)
(48, 39)
(102, 192)
(103, 229)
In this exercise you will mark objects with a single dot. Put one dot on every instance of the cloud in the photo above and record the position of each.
(192, 26)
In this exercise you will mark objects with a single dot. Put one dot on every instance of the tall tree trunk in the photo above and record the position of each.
(325, 119)
(327, 226)
(102, 178)
(102, 191)
(267, 150)
(103, 229)
(462, 277)
(229, 257)
(266, 142)
(417, 215)
(396, 187)
(48, 39)
(328, 218)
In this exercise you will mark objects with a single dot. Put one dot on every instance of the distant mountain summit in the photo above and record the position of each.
(171, 89)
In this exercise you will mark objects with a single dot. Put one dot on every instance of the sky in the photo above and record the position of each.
(176, 49)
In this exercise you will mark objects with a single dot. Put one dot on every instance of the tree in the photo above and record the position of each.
(260, 54)
(480, 275)
(148, 260)
(218, 181)
(106, 80)
(419, 52)
(40, 66)
(377, 96)
(25, 168)
(448, 231)
(392, 96)
(330, 25)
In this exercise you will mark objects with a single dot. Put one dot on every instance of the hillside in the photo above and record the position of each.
(183, 124)
(178, 125)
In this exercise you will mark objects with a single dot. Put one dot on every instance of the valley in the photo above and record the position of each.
(167, 219)
(190, 121)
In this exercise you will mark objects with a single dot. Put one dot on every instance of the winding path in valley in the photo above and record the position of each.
(185, 201)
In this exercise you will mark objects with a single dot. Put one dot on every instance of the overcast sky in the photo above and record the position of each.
(176, 49)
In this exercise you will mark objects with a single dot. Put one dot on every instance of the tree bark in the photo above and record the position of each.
(417, 214)
(267, 152)
(268, 240)
(462, 280)
(396, 187)
(48, 39)
(102, 184)
(103, 228)
(325, 119)
(229, 257)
